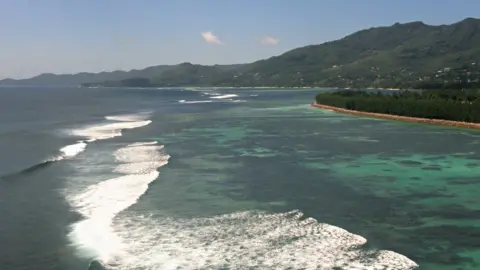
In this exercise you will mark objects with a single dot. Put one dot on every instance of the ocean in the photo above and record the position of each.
(212, 178)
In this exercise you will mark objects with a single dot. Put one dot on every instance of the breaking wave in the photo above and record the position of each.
(89, 134)
(65, 152)
(103, 131)
(129, 117)
(95, 236)
(246, 240)
(73, 149)
(30, 169)
(215, 96)
(241, 240)
(110, 130)
(211, 94)
(224, 96)
(194, 101)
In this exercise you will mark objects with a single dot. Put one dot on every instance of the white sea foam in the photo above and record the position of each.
(110, 130)
(136, 158)
(144, 143)
(141, 116)
(99, 203)
(69, 151)
(245, 240)
(73, 149)
(107, 130)
(194, 101)
(124, 118)
(224, 96)
(111, 196)
(102, 131)
(241, 240)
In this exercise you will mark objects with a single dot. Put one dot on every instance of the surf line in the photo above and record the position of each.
(90, 134)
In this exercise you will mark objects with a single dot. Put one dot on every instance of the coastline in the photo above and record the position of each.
(208, 87)
(242, 87)
(401, 118)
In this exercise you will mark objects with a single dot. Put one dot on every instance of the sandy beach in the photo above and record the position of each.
(401, 118)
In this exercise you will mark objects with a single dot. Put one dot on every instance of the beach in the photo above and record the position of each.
(401, 118)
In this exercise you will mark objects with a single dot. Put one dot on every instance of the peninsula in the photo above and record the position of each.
(457, 108)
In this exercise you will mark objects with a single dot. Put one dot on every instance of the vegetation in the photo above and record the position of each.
(154, 74)
(410, 55)
(80, 78)
(132, 82)
(456, 105)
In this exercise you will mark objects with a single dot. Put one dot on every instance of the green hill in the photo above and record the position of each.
(114, 77)
(401, 56)
(395, 56)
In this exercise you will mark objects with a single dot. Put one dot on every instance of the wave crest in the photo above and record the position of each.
(194, 101)
(73, 149)
(129, 117)
(107, 131)
(243, 240)
(224, 96)
(100, 203)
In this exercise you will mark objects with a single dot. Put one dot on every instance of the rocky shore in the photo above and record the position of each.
(401, 118)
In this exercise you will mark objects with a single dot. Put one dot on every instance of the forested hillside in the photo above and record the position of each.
(455, 105)
(398, 56)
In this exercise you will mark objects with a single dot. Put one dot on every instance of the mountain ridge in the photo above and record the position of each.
(400, 55)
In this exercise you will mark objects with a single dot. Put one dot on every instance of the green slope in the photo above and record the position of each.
(401, 55)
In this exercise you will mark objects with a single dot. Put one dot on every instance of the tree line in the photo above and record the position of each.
(456, 105)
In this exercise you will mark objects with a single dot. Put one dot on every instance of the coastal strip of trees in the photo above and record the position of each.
(455, 105)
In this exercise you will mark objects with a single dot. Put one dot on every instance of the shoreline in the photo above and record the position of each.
(241, 87)
(438, 122)
(209, 87)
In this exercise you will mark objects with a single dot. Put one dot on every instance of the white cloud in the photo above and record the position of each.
(269, 40)
(211, 38)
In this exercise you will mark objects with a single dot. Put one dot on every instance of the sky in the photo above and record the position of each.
(58, 36)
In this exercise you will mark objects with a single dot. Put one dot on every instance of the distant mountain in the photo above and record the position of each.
(102, 77)
(176, 75)
(401, 55)
(79, 78)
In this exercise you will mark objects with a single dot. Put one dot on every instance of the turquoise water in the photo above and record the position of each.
(404, 187)
(262, 180)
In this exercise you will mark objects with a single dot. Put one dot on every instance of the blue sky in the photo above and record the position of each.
(95, 35)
